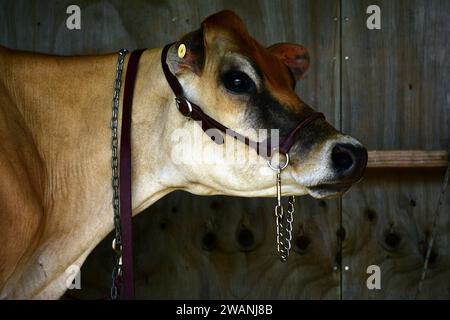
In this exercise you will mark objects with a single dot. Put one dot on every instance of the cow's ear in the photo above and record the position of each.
(187, 54)
(295, 56)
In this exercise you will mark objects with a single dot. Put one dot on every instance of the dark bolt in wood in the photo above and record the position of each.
(392, 239)
(245, 238)
(412, 203)
(341, 233)
(371, 215)
(209, 241)
(302, 242)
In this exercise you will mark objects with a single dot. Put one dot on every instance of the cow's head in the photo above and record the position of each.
(247, 87)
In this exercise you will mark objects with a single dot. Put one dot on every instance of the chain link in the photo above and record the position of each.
(288, 223)
(279, 227)
(117, 242)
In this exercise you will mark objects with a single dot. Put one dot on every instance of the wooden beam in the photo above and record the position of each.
(407, 159)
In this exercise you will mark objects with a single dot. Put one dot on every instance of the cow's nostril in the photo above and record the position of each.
(342, 158)
(349, 160)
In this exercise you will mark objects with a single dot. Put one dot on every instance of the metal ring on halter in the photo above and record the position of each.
(281, 168)
(178, 101)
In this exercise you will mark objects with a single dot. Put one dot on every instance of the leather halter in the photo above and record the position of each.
(193, 111)
(127, 288)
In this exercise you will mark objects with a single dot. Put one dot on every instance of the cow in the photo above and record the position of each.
(55, 151)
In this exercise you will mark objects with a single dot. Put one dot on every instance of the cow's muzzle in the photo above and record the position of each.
(343, 162)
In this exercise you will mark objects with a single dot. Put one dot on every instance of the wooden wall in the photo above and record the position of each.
(395, 95)
(387, 87)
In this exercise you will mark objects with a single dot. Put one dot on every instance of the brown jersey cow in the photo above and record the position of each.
(55, 148)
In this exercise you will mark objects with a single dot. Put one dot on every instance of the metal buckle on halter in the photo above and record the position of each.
(180, 100)
(279, 167)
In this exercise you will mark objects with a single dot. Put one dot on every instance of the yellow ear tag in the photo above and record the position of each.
(181, 51)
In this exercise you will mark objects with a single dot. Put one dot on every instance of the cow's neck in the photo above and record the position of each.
(79, 141)
(66, 105)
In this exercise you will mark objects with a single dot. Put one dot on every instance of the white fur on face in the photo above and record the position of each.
(235, 169)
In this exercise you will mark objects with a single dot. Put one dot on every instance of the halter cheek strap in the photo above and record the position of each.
(213, 128)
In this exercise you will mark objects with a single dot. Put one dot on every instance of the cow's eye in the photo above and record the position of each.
(238, 82)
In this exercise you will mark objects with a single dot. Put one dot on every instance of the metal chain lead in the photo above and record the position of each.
(117, 242)
(283, 222)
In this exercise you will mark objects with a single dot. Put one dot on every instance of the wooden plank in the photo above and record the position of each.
(407, 159)
(395, 97)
